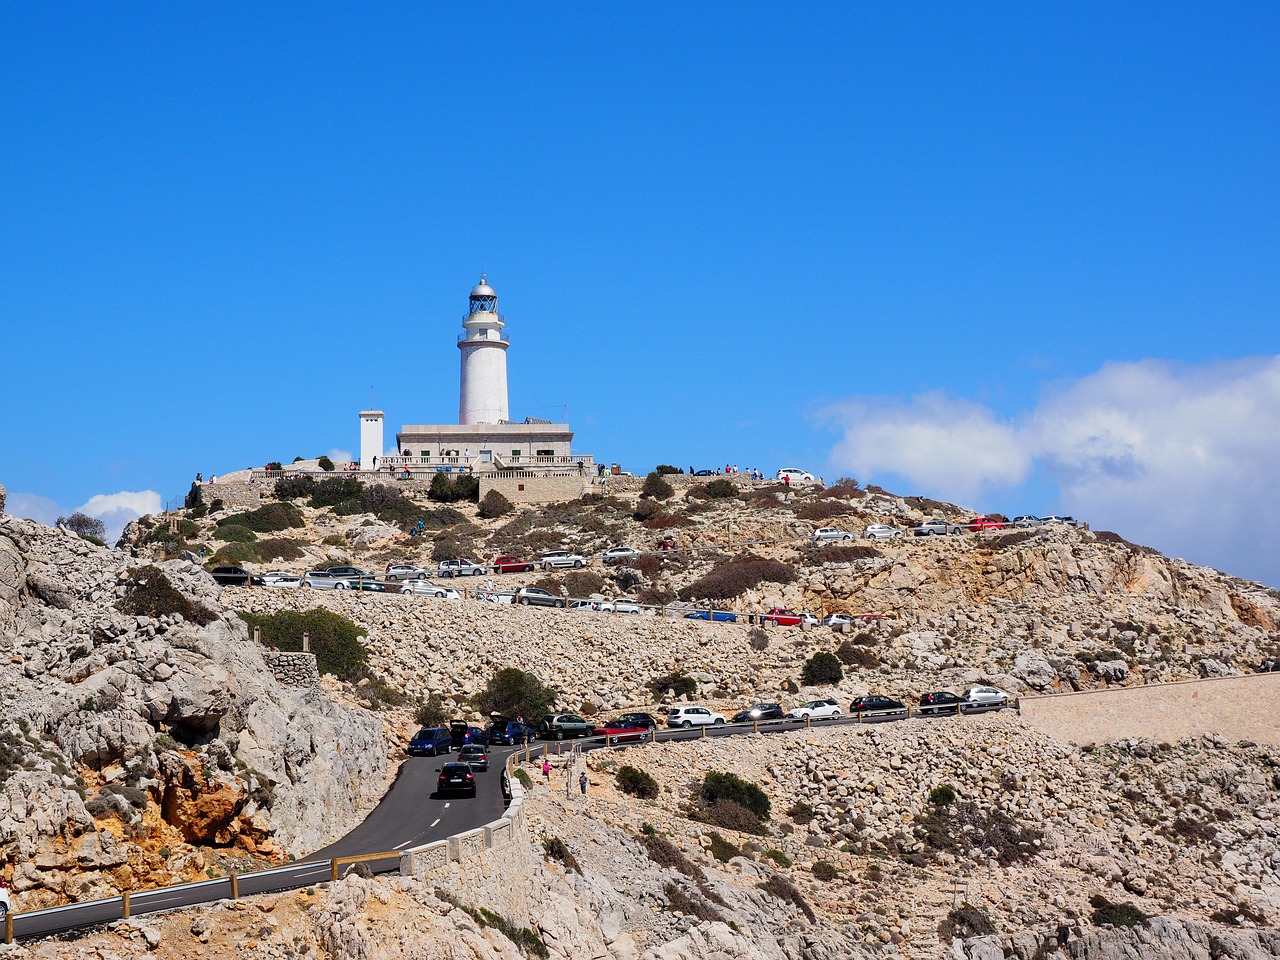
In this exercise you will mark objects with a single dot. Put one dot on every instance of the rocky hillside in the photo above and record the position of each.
(140, 749)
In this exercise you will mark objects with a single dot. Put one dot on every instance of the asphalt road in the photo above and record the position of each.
(409, 815)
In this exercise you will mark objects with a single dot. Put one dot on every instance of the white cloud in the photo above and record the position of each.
(1183, 457)
(935, 441)
(340, 456)
(32, 506)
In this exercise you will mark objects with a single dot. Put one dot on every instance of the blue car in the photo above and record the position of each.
(511, 733)
(431, 742)
(721, 616)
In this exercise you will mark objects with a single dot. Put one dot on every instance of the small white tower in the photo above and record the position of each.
(483, 394)
(370, 438)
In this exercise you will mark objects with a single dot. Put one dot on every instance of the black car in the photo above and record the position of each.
(871, 709)
(510, 733)
(638, 720)
(456, 778)
(347, 572)
(235, 577)
(939, 703)
(430, 742)
(760, 712)
(461, 733)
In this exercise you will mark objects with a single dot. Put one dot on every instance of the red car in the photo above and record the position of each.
(783, 617)
(978, 524)
(620, 731)
(512, 565)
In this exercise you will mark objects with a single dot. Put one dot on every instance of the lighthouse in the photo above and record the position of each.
(482, 396)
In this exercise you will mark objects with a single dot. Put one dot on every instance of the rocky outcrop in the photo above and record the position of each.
(136, 732)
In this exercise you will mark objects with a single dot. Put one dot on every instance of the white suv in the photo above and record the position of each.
(561, 558)
(795, 475)
(693, 717)
(460, 568)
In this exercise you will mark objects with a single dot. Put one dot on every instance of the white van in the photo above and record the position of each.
(796, 475)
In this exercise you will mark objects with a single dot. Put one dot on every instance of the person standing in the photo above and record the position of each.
(582, 782)
(546, 769)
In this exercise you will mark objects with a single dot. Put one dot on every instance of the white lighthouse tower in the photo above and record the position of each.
(483, 394)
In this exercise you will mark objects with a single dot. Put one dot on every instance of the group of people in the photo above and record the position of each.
(583, 782)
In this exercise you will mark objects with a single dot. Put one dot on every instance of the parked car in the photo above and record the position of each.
(704, 473)
(617, 605)
(816, 710)
(345, 572)
(461, 733)
(873, 708)
(1028, 520)
(6, 904)
(982, 698)
(422, 588)
(693, 717)
(824, 534)
(620, 555)
(620, 731)
(456, 778)
(639, 720)
(720, 616)
(936, 528)
(760, 712)
(1054, 518)
(406, 571)
(510, 733)
(235, 577)
(460, 568)
(320, 580)
(979, 524)
(881, 531)
(509, 564)
(430, 742)
(367, 585)
(475, 756)
(278, 578)
(795, 475)
(783, 617)
(838, 619)
(939, 703)
(558, 726)
(560, 559)
(537, 597)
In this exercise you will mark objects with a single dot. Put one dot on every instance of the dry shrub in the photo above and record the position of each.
(583, 583)
(823, 509)
(732, 579)
(852, 654)
(783, 889)
(1002, 541)
(841, 490)
(843, 553)
(681, 902)
(647, 563)
(666, 854)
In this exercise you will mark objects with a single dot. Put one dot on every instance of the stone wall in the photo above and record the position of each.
(236, 496)
(1235, 708)
(679, 481)
(536, 489)
(291, 668)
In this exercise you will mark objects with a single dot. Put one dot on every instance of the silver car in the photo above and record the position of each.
(323, 580)
(406, 571)
(880, 531)
(557, 559)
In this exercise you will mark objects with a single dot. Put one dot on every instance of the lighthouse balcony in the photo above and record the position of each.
(499, 337)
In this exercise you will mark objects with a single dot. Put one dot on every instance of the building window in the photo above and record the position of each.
(546, 453)
(515, 453)
(520, 487)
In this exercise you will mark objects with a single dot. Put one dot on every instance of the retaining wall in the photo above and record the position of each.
(1236, 708)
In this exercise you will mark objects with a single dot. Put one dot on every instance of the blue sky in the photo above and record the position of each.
(1022, 259)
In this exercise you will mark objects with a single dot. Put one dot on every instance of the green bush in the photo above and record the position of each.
(656, 487)
(821, 668)
(332, 491)
(646, 510)
(453, 488)
(235, 554)
(493, 505)
(778, 857)
(556, 849)
(824, 870)
(295, 488)
(636, 782)
(965, 921)
(325, 464)
(275, 465)
(270, 518)
(943, 795)
(430, 712)
(1116, 914)
(149, 593)
(679, 683)
(234, 533)
(335, 640)
(729, 786)
(722, 849)
(664, 469)
(721, 489)
(513, 692)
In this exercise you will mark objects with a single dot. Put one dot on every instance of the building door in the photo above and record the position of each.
(486, 456)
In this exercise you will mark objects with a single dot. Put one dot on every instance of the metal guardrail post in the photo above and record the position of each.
(124, 905)
(235, 886)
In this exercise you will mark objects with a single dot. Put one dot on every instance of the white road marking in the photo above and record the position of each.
(399, 845)
(434, 822)
(446, 806)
